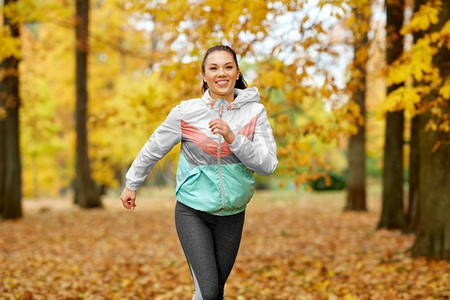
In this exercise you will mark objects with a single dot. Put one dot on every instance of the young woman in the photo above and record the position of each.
(225, 137)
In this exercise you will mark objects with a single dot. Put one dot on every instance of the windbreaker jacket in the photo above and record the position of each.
(218, 185)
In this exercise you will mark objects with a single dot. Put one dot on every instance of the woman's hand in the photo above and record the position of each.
(221, 127)
(128, 198)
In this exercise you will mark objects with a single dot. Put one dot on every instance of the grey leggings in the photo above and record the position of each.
(210, 244)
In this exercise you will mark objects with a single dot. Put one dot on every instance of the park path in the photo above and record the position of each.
(295, 246)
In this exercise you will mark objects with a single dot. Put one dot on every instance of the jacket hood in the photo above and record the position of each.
(241, 98)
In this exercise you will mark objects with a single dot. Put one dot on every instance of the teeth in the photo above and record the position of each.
(222, 82)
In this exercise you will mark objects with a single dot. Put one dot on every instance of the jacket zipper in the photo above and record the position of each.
(219, 154)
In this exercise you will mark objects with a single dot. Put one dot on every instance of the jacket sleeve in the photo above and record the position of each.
(259, 154)
(167, 135)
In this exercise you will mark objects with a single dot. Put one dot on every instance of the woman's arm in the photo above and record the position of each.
(167, 135)
(259, 154)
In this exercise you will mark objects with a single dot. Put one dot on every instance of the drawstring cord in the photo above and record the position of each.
(219, 155)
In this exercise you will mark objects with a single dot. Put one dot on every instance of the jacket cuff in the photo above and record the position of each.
(237, 143)
(131, 187)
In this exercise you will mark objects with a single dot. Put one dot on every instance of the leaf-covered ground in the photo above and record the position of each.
(294, 247)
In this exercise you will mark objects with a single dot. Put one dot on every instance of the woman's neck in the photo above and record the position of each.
(228, 98)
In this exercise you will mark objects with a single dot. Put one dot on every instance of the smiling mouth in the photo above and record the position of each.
(222, 82)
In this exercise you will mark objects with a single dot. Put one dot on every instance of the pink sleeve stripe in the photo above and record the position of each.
(207, 144)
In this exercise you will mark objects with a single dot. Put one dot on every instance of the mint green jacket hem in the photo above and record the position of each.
(223, 212)
(198, 187)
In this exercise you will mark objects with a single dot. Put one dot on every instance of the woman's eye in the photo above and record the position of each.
(230, 67)
(213, 68)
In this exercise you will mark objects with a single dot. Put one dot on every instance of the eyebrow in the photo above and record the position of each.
(214, 64)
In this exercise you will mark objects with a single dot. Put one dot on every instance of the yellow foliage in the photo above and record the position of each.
(398, 73)
(431, 126)
(403, 98)
(354, 114)
(46, 115)
(422, 65)
(426, 15)
(416, 63)
(144, 59)
(445, 35)
(436, 111)
(3, 113)
(273, 78)
(444, 91)
(444, 126)
(9, 46)
(421, 58)
(359, 4)
(272, 74)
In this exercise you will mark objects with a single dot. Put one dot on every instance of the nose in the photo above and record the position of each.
(221, 71)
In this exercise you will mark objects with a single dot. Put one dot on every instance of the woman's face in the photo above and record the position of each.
(221, 73)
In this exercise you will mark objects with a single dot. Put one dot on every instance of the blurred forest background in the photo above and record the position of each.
(357, 92)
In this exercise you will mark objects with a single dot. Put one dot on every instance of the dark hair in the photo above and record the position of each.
(240, 82)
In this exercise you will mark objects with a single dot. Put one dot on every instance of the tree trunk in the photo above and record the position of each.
(85, 193)
(392, 213)
(10, 165)
(413, 196)
(433, 227)
(3, 150)
(356, 182)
